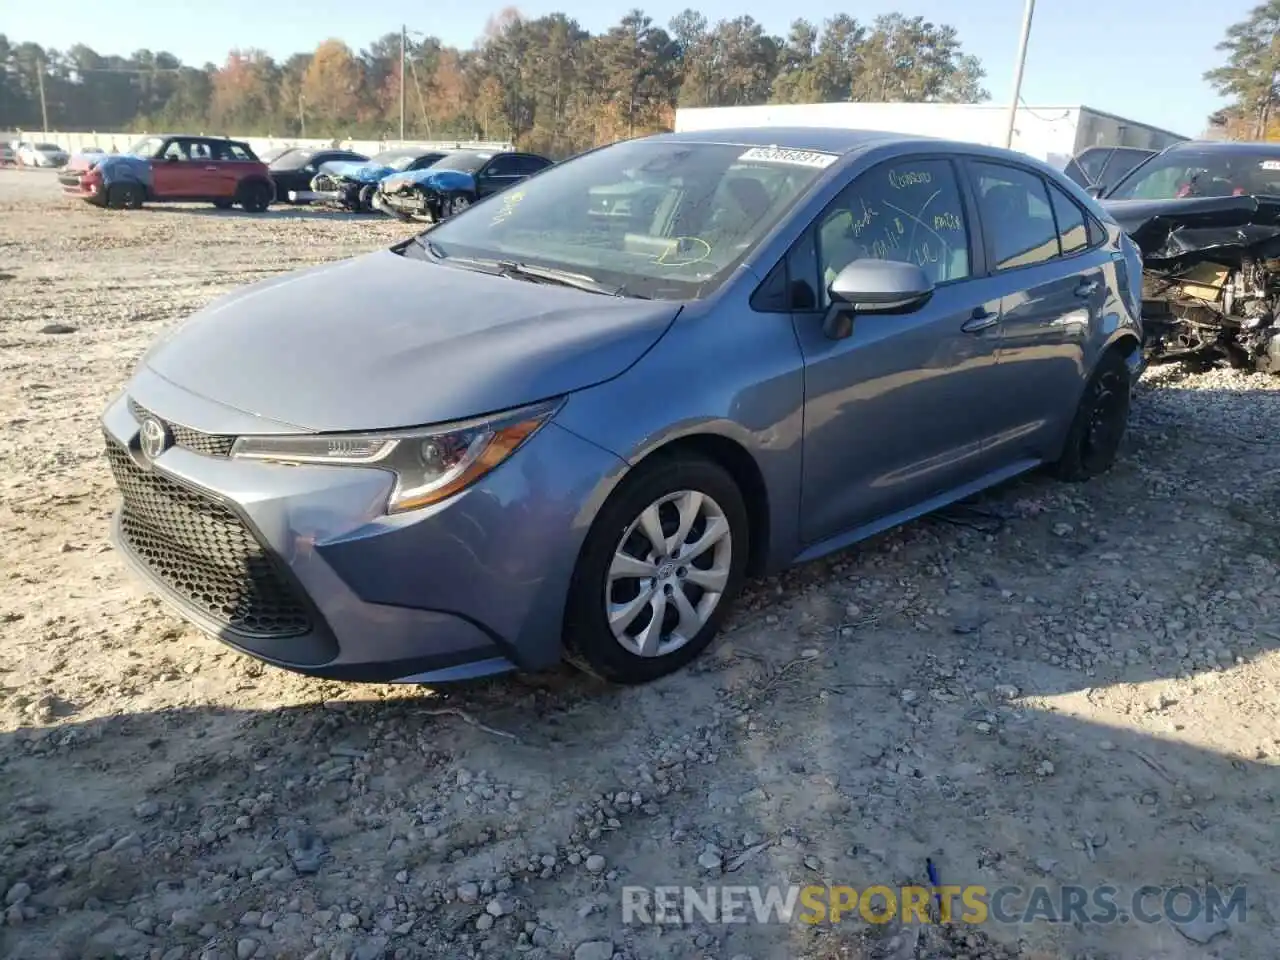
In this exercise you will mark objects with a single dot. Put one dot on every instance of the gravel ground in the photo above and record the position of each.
(1058, 685)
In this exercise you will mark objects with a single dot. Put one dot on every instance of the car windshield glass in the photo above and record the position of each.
(293, 160)
(661, 219)
(1202, 173)
(48, 147)
(147, 147)
(467, 161)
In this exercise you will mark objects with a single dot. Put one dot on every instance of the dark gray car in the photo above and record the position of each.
(571, 420)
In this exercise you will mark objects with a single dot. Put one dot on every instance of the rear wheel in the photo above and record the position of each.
(364, 202)
(1100, 422)
(663, 560)
(254, 196)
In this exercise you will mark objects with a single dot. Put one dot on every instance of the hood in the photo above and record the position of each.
(85, 161)
(1167, 229)
(384, 341)
(433, 178)
(350, 170)
(123, 167)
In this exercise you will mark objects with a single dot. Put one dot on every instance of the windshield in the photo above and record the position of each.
(147, 146)
(396, 159)
(1202, 173)
(661, 219)
(48, 147)
(466, 161)
(292, 160)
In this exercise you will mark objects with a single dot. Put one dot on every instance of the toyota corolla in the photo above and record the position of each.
(568, 422)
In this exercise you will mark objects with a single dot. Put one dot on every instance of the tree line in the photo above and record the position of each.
(546, 83)
(1250, 77)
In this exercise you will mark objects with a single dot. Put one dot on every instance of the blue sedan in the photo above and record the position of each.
(571, 419)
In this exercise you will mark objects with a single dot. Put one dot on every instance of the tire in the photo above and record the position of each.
(364, 199)
(456, 204)
(223, 204)
(1099, 423)
(125, 196)
(709, 495)
(254, 196)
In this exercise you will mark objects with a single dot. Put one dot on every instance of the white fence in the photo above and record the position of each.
(71, 141)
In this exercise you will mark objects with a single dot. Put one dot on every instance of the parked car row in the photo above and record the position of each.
(31, 154)
(409, 182)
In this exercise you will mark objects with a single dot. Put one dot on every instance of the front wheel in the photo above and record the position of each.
(456, 204)
(364, 200)
(1101, 419)
(660, 566)
(125, 196)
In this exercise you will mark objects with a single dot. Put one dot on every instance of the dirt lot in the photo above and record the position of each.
(1061, 685)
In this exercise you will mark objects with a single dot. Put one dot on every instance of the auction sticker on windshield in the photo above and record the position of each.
(798, 158)
(1270, 164)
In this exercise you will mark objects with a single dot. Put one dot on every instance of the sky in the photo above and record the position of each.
(1140, 59)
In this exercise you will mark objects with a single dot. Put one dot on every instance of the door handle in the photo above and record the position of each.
(982, 319)
(211, 167)
(1087, 288)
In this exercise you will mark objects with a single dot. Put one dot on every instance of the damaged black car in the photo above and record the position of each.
(1206, 217)
(454, 183)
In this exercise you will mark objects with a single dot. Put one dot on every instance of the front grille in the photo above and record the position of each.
(210, 444)
(204, 553)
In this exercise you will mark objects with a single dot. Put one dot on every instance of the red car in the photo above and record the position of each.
(172, 168)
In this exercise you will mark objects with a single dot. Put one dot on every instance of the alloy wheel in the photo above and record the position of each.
(668, 573)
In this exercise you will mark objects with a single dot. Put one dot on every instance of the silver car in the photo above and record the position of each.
(570, 421)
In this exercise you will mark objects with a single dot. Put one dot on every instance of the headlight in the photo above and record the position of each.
(430, 464)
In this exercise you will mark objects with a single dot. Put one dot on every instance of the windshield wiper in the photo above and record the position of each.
(563, 278)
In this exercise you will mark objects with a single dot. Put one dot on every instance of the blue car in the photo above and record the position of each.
(454, 182)
(350, 185)
(571, 425)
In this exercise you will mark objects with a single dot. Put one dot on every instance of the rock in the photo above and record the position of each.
(469, 892)
(246, 947)
(709, 860)
(1006, 691)
(146, 810)
(595, 863)
(1201, 929)
(500, 907)
(17, 893)
(594, 950)
(57, 328)
(484, 922)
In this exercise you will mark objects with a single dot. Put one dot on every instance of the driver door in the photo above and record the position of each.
(897, 413)
(171, 171)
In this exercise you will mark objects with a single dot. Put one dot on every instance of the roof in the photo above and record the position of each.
(825, 139)
(1228, 146)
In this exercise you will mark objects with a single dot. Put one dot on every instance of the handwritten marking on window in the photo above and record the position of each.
(863, 220)
(901, 180)
(683, 252)
(947, 221)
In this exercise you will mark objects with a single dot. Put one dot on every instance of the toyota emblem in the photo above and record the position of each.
(153, 438)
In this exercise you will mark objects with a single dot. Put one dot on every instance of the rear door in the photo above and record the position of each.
(227, 165)
(1040, 245)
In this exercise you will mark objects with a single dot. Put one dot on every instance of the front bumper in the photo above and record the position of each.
(298, 565)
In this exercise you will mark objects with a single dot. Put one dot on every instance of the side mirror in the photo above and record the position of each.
(874, 286)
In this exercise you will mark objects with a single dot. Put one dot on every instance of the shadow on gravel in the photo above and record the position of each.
(275, 212)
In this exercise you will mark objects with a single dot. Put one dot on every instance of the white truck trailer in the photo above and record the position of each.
(1051, 134)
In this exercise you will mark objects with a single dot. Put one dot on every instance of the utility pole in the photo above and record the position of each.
(302, 116)
(1017, 75)
(404, 38)
(44, 109)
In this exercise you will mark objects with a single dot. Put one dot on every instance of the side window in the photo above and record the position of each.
(1016, 214)
(528, 166)
(1072, 233)
(176, 150)
(199, 150)
(236, 152)
(1092, 161)
(501, 167)
(907, 210)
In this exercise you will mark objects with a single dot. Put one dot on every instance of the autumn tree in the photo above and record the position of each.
(332, 86)
(1250, 75)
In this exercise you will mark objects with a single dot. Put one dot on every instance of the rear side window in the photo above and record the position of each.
(528, 166)
(237, 152)
(1017, 215)
(503, 167)
(1072, 232)
(1092, 161)
(907, 210)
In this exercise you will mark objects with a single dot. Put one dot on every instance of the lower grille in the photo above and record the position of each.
(210, 444)
(204, 553)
